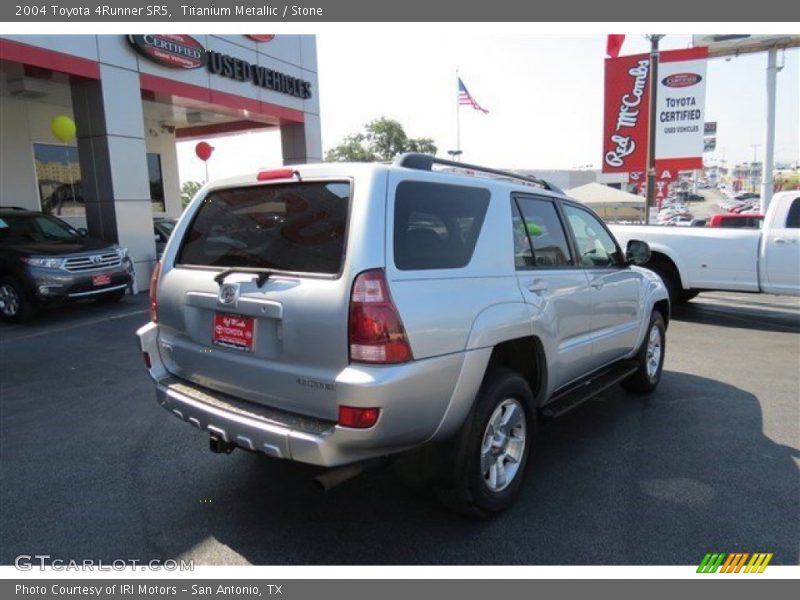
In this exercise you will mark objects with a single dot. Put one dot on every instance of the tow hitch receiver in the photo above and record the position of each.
(220, 446)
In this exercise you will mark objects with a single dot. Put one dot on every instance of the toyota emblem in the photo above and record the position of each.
(95, 259)
(228, 293)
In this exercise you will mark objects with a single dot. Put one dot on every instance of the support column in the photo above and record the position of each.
(302, 142)
(767, 184)
(113, 158)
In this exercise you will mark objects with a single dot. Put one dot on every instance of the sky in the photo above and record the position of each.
(544, 95)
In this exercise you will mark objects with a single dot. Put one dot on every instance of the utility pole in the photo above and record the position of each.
(651, 129)
(767, 185)
(753, 167)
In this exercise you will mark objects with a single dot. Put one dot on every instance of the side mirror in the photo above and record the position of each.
(83, 232)
(637, 252)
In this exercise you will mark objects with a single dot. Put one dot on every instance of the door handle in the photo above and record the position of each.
(538, 285)
(784, 241)
(596, 283)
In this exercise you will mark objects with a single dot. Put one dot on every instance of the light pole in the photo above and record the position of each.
(454, 154)
(769, 139)
(651, 129)
(753, 167)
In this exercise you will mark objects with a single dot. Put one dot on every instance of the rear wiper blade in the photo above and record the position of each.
(263, 275)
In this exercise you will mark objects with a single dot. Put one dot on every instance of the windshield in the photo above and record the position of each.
(166, 226)
(297, 227)
(36, 228)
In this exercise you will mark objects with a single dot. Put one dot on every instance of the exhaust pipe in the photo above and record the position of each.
(330, 479)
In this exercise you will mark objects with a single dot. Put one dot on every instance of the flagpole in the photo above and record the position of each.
(458, 117)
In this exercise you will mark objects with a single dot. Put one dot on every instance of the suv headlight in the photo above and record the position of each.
(42, 261)
(122, 253)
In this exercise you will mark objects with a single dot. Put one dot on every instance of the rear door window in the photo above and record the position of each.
(793, 218)
(436, 226)
(296, 228)
(541, 225)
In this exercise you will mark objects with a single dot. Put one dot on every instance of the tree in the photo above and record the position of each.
(188, 191)
(383, 139)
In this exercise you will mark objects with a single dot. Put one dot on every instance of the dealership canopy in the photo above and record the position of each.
(608, 202)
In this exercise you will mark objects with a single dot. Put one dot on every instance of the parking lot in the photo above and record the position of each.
(93, 468)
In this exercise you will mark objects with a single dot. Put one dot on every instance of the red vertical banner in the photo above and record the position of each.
(664, 178)
(627, 97)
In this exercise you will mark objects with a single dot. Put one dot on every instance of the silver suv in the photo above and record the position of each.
(339, 314)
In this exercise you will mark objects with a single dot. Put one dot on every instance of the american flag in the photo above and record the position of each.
(464, 97)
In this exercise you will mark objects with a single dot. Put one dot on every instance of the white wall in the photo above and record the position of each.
(25, 122)
(162, 142)
(17, 170)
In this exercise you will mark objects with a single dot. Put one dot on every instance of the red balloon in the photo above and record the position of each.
(203, 150)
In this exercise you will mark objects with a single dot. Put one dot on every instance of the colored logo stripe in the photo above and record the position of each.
(733, 562)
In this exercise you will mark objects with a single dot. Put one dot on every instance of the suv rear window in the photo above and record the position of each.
(296, 227)
(436, 226)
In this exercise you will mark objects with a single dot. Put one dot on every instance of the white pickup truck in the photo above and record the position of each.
(693, 260)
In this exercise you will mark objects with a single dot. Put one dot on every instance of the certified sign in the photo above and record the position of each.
(681, 80)
(177, 51)
(680, 109)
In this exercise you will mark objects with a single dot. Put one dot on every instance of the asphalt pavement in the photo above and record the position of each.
(93, 468)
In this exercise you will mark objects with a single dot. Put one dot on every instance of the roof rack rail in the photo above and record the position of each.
(425, 162)
(13, 208)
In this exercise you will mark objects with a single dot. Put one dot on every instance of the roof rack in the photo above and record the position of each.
(425, 162)
(14, 208)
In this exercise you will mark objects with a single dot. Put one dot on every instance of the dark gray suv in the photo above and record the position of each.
(44, 260)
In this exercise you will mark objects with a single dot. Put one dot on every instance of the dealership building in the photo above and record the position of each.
(132, 98)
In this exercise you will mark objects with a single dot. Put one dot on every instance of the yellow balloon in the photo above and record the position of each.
(63, 128)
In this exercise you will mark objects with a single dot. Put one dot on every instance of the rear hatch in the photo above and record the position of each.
(253, 298)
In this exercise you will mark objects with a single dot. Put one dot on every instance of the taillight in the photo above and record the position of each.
(147, 362)
(153, 290)
(275, 174)
(376, 331)
(358, 418)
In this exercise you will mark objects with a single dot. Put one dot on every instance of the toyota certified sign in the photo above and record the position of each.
(682, 80)
(680, 109)
(177, 51)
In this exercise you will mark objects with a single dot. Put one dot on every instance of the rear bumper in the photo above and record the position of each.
(250, 426)
(413, 398)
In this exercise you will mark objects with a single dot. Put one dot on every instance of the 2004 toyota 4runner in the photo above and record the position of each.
(337, 314)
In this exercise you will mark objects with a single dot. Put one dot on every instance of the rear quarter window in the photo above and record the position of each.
(436, 226)
(296, 227)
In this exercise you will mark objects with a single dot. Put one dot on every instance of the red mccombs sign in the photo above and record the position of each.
(627, 98)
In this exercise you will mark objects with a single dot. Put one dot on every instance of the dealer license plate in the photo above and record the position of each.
(101, 279)
(233, 331)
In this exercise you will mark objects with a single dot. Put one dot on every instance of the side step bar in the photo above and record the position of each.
(578, 393)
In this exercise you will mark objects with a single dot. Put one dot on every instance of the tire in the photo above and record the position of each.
(111, 297)
(488, 464)
(650, 365)
(671, 282)
(15, 305)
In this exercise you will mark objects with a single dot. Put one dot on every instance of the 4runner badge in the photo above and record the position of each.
(228, 293)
